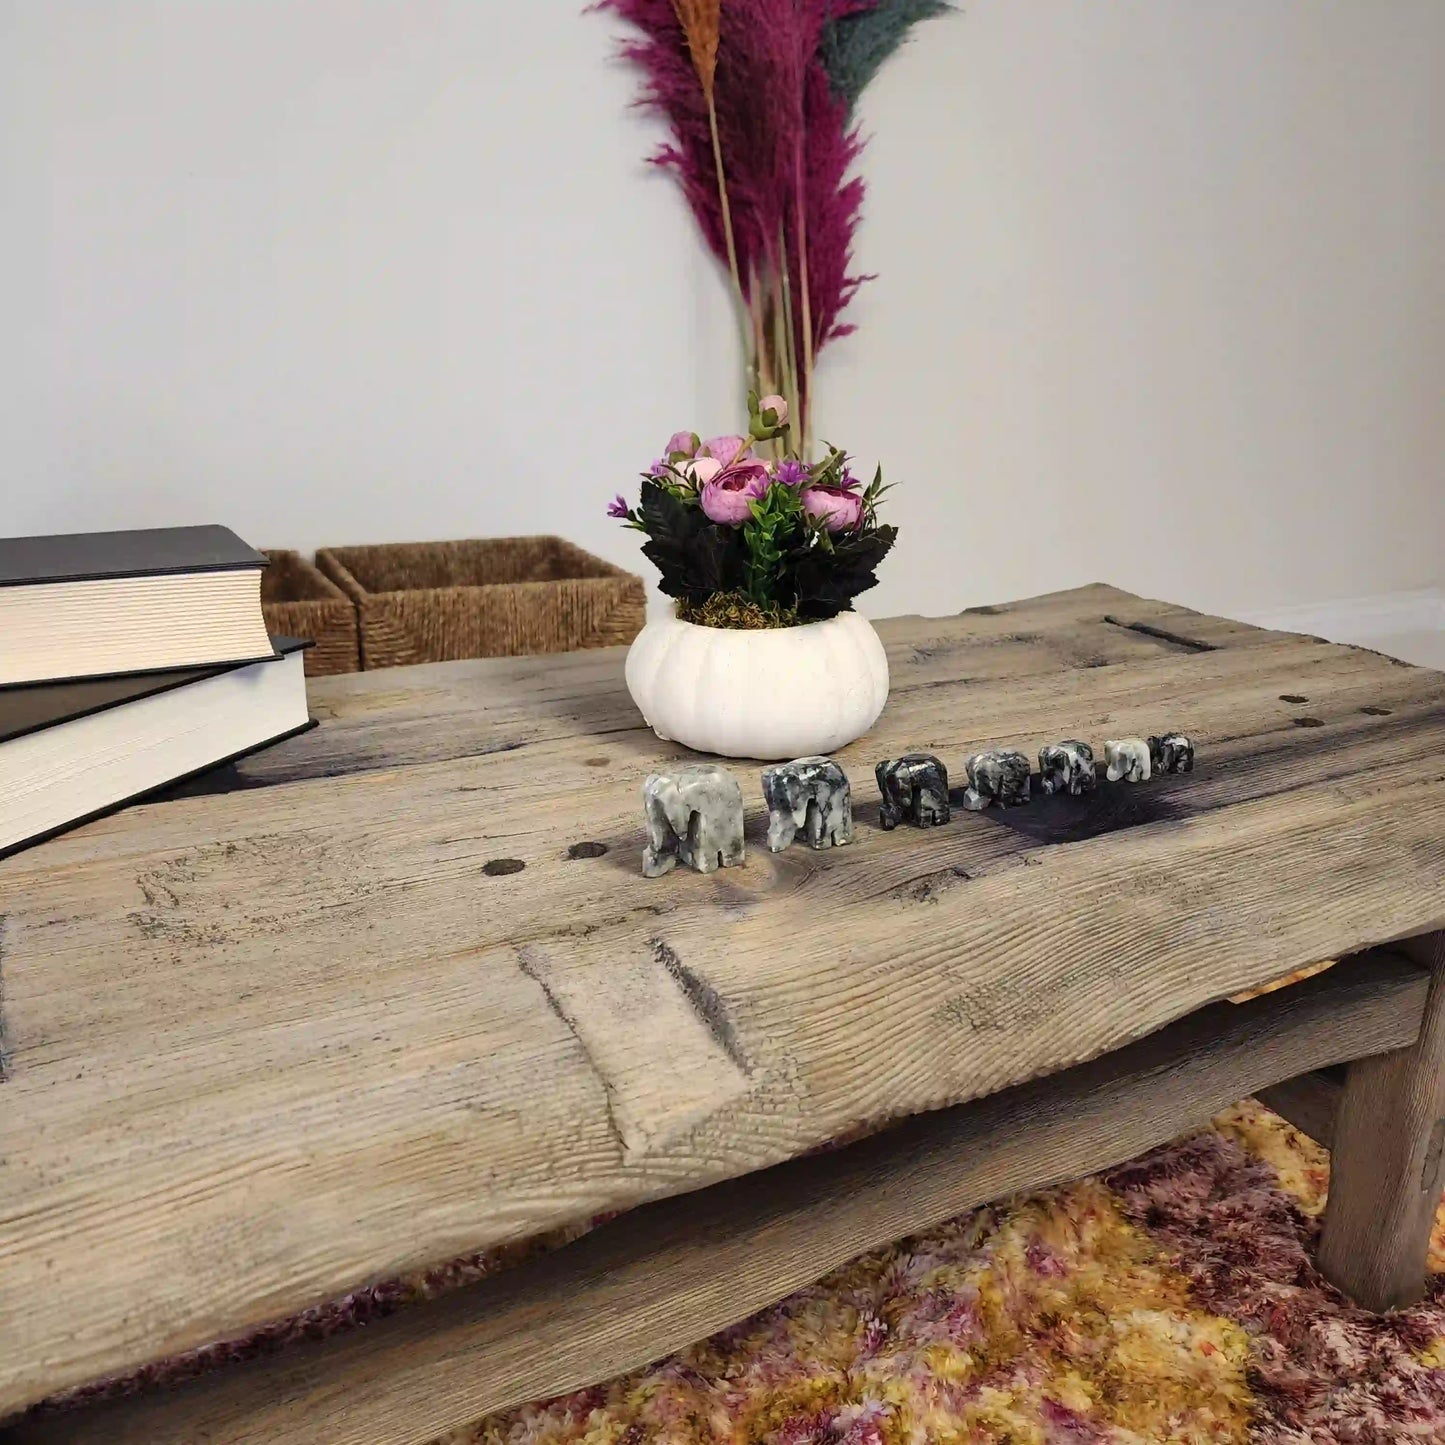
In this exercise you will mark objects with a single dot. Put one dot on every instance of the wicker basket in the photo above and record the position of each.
(297, 601)
(434, 601)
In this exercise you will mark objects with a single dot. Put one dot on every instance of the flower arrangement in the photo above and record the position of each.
(751, 542)
(759, 98)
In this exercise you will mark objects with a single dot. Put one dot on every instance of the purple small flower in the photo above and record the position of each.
(658, 470)
(791, 473)
(617, 507)
(849, 482)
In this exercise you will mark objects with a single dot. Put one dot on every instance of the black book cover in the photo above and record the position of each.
(31, 707)
(90, 556)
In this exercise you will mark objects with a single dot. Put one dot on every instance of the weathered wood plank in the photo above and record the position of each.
(1387, 1160)
(428, 714)
(270, 1045)
(676, 1271)
(1236, 699)
(1309, 1102)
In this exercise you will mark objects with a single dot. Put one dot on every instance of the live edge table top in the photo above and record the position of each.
(282, 1034)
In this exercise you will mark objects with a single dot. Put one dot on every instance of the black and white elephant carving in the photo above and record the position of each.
(1172, 753)
(1000, 775)
(1067, 767)
(694, 817)
(914, 788)
(811, 794)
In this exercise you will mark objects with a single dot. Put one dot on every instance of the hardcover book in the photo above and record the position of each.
(100, 603)
(70, 751)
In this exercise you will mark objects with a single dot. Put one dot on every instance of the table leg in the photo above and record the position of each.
(1387, 1164)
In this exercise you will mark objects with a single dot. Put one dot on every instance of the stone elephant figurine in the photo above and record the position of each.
(1128, 760)
(812, 794)
(1067, 767)
(1172, 753)
(1000, 775)
(694, 817)
(914, 787)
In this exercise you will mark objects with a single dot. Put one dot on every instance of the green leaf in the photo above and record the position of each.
(824, 582)
(694, 556)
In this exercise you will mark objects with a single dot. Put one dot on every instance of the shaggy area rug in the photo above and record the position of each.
(1171, 1299)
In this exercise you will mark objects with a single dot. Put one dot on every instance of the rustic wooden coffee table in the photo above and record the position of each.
(387, 1000)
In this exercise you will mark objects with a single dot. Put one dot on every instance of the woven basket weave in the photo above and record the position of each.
(297, 601)
(505, 597)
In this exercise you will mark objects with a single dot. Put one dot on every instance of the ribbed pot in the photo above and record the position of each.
(788, 692)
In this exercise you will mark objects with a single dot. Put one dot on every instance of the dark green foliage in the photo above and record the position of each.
(782, 562)
(777, 521)
(822, 580)
(695, 557)
(855, 46)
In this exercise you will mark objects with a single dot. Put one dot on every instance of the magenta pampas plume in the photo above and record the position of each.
(784, 136)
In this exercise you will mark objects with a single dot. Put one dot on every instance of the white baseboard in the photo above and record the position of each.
(1359, 619)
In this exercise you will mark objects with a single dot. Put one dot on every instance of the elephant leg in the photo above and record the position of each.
(660, 855)
(701, 850)
(781, 829)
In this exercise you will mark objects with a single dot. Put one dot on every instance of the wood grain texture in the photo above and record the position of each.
(675, 1271)
(270, 1044)
(1387, 1160)
(1309, 1102)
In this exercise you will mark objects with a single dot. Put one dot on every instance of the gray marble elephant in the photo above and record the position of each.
(1172, 753)
(811, 794)
(1000, 775)
(1067, 767)
(914, 787)
(694, 817)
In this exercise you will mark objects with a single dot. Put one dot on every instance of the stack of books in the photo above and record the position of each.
(130, 660)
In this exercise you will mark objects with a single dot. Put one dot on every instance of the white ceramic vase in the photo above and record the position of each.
(787, 692)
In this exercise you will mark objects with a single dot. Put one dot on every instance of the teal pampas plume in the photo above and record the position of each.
(856, 42)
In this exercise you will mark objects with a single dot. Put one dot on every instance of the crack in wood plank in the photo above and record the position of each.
(656, 1034)
(1430, 1175)
(1175, 639)
(528, 962)
(705, 1001)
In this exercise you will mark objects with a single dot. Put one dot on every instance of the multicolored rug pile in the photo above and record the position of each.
(1171, 1299)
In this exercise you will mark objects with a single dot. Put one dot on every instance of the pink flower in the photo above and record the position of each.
(701, 470)
(776, 404)
(681, 444)
(837, 507)
(727, 498)
(727, 450)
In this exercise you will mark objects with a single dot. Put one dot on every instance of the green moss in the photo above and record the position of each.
(735, 610)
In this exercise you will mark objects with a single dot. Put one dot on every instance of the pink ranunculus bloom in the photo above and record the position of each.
(727, 498)
(727, 450)
(776, 404)
(681, 444)
(837, 507)
(701, 470)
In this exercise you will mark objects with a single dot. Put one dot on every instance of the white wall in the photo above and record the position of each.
(1162, 294)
